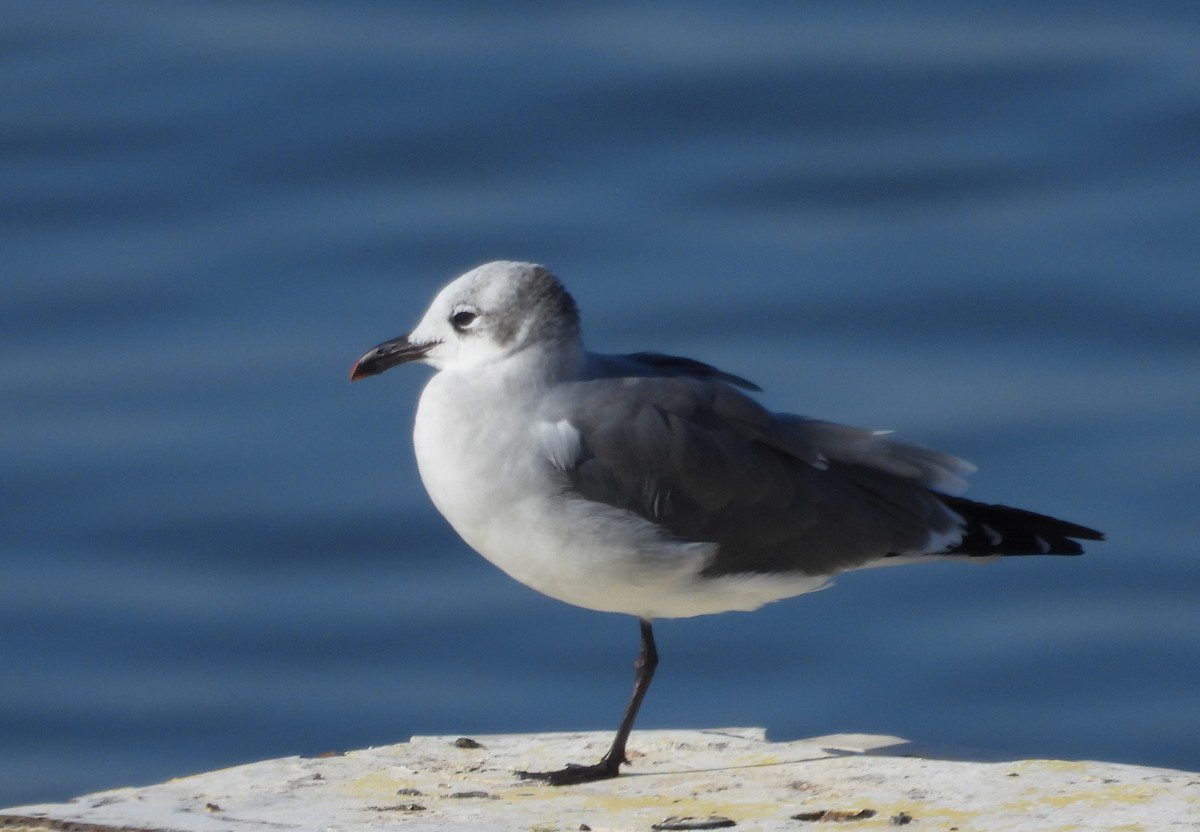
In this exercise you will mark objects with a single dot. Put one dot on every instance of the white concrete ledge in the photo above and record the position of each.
(678, 780)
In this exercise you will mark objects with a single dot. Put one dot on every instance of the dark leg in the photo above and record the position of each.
(607, 767)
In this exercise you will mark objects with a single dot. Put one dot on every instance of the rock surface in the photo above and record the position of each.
(728, 778)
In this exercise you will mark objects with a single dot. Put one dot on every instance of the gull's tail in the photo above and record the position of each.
(1002, 530)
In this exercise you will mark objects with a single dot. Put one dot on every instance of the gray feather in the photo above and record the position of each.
(777, 493)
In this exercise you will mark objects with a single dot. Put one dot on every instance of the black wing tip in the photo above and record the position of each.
(993, 529)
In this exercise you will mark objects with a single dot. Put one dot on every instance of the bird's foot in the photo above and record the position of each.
(574, 774)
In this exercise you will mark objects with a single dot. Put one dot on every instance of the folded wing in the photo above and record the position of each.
(676, 445)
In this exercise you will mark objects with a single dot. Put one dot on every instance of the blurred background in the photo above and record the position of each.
(978, 225)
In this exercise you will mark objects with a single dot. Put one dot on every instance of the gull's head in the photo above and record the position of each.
(491, 312)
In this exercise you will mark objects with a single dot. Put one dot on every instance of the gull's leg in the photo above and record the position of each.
(609, 764)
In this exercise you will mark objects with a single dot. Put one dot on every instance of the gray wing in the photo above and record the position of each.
(672, 365)
(777, 493)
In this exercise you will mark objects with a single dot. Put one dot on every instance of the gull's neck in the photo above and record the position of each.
(536, 367)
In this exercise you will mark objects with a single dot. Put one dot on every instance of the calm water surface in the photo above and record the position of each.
(978, 228)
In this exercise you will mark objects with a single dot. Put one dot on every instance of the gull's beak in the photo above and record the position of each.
(387, 355)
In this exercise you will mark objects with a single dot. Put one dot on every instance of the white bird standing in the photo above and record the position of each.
(651, 485)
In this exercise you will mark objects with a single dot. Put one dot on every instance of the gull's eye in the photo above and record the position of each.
(462, 319)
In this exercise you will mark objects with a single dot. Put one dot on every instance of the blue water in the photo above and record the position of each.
(977, 225)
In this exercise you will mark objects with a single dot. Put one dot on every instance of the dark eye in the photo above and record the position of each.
(462, 319)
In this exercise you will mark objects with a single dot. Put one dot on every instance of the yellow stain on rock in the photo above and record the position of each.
(378, 786)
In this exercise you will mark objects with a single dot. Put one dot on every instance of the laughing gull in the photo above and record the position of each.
(651, 485)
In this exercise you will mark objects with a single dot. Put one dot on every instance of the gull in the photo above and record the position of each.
(654, 485)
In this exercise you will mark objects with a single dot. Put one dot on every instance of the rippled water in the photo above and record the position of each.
(977, 227)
